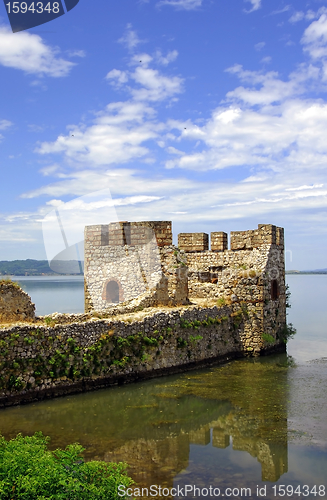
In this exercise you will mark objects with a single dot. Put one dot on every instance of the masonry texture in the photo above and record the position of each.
(151, 309)
(138, 257)
(15, 304)
(39, 361)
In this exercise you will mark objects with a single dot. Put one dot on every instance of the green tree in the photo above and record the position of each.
(29, 471)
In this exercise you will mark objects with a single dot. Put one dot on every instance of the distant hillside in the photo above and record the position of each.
(314, 271)
(32, 267)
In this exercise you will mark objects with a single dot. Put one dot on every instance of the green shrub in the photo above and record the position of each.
(286, 333)
(29, 471)
(269, 339)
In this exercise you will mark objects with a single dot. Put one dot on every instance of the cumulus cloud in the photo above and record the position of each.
(116, 136)
(119, 133)
(315, 38)
(270, 127)
(117, 77)
(182, 4)
(153, 86)
(28, 52)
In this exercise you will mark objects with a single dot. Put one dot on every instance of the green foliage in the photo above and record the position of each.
(9, 281)
(269, 339)
(286, 333)
(196, 324)
(195, 338)
(221, 302)
(288, 296)
(181, 343)
(29, 471)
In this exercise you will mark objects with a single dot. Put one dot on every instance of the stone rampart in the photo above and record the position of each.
(38, 361)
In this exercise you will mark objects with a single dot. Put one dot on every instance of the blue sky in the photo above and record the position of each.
(209, 113)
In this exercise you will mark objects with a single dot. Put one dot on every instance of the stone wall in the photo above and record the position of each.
(15, 304)
(252, 272)
(138, 258)
(125, 260)
(38, 361)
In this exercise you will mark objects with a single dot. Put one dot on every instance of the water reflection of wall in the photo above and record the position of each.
(159, 461)
(250, 416)
(153, 425)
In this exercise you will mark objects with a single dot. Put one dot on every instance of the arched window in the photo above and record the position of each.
(274, 290)
(112, 292)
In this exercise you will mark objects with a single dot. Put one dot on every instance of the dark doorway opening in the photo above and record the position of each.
(112, 292)
(274, 290)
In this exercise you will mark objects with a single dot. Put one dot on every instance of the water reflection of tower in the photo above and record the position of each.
(255, 423)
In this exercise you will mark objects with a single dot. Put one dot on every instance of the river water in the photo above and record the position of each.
(256, 423)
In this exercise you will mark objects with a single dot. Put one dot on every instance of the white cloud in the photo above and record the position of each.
(77, 53)
(5, 124)
(117, 77)
(130, 39)
(116, 136)
(28, 52)
(271, 128)
(315, 38)
(296, 17)
(256, 4)
(165, 60)
(281, 11)
(259, 46)
(182, 4)
(155, 86)
(120, 131)
(267, 124)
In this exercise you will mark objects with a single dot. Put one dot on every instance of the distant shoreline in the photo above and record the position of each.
(305, 272)
(31, 267)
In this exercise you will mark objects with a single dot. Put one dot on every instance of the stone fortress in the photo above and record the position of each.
(126, 260)
(151, 309)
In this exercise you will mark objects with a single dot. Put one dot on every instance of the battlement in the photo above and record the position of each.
(129, 233)
(139, 233)
(266, 234)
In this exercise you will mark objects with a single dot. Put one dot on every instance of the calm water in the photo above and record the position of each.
(246, 424)
(51, 294)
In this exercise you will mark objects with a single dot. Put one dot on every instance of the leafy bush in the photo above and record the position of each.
(29, 471)
(269, 339)
(286, 333)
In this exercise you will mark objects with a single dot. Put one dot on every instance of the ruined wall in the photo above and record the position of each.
(251, 272)
(124, 260)
(15, 304)
(37, 362)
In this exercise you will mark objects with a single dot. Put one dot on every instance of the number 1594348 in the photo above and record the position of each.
(34, 7)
